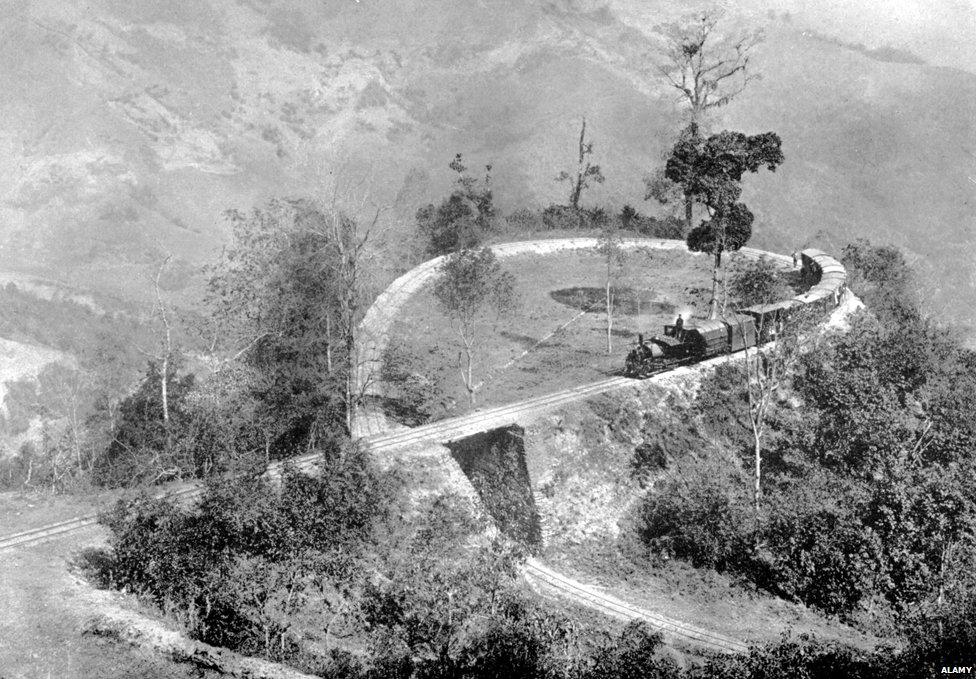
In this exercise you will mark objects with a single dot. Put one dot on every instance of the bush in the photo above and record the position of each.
(669, 227)
(239, 568)
(142, 439)
(451, 226)
(414, 395)
(634, 654)
(804, 657)
(464, 219)
(722, 403)
(705, 521)
(822, 556)
(524, 220)
(757, 282)
(563, 218)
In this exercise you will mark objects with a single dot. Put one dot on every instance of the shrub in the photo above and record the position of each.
(238, 568)
(757, 282)
(722, 404)
(562, 218)
(464, 218)
(414, 395)
(451, 226)
(142, 439)
(634, 654)
(804, 657)
(822, 556)
(705, 521)
(524, 220)
(669, 227)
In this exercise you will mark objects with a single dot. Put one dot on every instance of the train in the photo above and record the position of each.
(697, 339)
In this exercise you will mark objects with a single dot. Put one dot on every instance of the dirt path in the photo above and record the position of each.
(46, 610)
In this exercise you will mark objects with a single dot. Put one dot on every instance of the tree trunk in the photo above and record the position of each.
(163, 389)
(690, 199)
(725, 290)
(757, 489)
(574, 197)
(713, 303)
(609, 316)
(469, 371)
(351, 373)
(328, 342)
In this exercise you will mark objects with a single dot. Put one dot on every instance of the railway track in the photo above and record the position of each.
(374, 338)
(438, 432)
(539, 574)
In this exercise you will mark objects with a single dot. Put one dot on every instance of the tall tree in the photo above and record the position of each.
(585, 171)
(710, 171)
(473, 291)
(609, 245)
(286, 300)
(346, 251)
(767, 371)
(464, 218)
(708, 69)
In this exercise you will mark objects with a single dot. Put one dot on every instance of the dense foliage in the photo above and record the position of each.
(462, 220)
(709, 171)
(242, 567)
(866, 499)
(758, 281)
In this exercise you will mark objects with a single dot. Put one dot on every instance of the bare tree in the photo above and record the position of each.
(288, 299)
(163, 355)
(350, 245)
(767, 370)
(708, 70)
(167, 349)
(610, 248)
(585, 171)
(473, 290)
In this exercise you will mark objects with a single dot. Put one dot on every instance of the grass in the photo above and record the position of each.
(557, 337)
(563, 289)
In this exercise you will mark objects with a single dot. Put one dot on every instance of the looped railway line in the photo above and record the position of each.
(375, 433)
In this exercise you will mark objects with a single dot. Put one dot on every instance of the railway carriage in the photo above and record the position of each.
(698, 338)
(769, 319)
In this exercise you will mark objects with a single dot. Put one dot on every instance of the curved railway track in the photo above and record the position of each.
(535, 572)
(539, 574)
(376, 435)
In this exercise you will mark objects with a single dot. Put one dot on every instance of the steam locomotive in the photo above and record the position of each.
(701, 338)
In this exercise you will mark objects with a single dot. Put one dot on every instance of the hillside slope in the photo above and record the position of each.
(129, 127)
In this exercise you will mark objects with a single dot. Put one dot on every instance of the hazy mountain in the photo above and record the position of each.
(128, 126)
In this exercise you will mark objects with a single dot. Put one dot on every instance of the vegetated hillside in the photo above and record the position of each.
(128, 127)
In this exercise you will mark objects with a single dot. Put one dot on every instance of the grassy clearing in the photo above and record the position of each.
(556, 289)
(560, 325)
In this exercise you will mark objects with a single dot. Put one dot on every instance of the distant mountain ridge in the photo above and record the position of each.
(130, 126)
